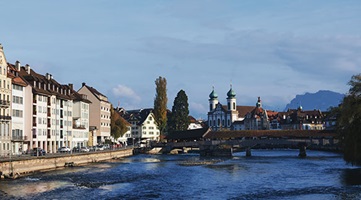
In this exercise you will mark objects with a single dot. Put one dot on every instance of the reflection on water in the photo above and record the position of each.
(277, 174)
(352, 176)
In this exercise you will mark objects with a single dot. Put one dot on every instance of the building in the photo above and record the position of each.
(21, 110)
(52, 108)
(81, 115)
(257, 119)
(301, 119)
(194, 124)
(5, 106)
(223, 117)
(99, 110)
(143, 124)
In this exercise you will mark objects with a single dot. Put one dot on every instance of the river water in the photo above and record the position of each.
(268, 174)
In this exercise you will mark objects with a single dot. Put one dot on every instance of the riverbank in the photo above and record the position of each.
(16, 168)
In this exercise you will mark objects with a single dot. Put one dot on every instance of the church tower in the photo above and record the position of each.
(213, 100)
(231, 100)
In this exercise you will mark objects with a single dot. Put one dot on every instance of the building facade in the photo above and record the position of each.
(143, 125)
(100, 110)
(223, 117)
(300, 119)
(5, 107)
(52, 108)
(257, 119)
(21, 110)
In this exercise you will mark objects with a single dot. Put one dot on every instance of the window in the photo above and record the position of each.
(17, 113)
(18, 100)
(18, 87)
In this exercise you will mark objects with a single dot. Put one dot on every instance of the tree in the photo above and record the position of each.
(160, 104)
(179, 120)
(118, 125)
(349, 122)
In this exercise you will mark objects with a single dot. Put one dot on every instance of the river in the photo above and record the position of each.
(268, 174)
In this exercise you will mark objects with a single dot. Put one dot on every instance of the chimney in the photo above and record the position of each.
(27, 68)
(71, 86)
(48, 76)
(83, 84)
(17, 65)
(1, 46)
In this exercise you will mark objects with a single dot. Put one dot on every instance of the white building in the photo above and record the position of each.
(143, 124)
(80, 119)
(52, 108)
(21, 110)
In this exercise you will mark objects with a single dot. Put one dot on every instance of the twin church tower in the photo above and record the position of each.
(230, 117)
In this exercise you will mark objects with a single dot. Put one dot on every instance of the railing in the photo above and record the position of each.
(79, 127)
(19, 138)
(4, 103)
(5, 117)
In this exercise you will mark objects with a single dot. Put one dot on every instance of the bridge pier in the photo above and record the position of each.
(248, 152)
(302, 147)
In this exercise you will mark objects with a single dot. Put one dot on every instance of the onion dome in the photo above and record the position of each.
(213, 94)
(231, 93)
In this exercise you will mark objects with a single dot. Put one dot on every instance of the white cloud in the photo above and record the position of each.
(125, 93)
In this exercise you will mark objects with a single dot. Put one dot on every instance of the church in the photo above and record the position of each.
(229, 117)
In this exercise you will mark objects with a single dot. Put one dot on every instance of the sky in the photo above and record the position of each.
(274, 49)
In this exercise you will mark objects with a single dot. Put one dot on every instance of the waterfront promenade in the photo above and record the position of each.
(13, 167)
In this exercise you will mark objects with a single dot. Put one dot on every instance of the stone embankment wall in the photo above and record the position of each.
(19, 167)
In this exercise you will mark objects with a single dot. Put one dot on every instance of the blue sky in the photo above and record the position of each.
(269, 48)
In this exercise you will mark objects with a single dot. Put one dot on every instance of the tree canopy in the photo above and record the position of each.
(179, 120)
(349, 122)
(160, 104)
(118, 124)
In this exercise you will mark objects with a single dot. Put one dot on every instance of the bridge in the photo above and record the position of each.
(223, 143)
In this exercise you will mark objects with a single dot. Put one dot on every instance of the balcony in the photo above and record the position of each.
(78, 127)
(4, 103)
(5, 118)
(18, 138)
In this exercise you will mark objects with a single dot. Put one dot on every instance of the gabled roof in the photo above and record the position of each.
(95, 92)
(193, 134)
(138, 116)
(13, 73)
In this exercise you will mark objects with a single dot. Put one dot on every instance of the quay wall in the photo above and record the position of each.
(20, 167)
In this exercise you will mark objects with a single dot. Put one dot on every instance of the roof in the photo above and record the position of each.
(13, 73)
(193, 134)
(270, 133)
(48, 85)
(138, 116)
(213, 95)
(243, 110)
(95, 92)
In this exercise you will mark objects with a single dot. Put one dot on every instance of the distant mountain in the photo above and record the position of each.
(321, 100)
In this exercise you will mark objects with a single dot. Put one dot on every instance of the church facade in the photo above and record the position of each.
(225, 117)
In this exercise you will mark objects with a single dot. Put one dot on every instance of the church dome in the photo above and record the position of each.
(213, 95)
(231, 93)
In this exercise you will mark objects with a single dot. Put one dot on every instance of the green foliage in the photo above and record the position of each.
(349, 122)
(179, 120)
(160, 104)
(118, 125)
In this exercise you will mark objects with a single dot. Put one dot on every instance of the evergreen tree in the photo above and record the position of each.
(160, 104)
(179, 120)
(349, 122)
(118, 125)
